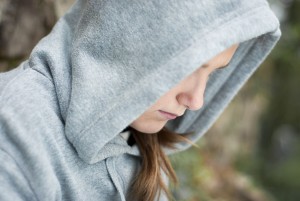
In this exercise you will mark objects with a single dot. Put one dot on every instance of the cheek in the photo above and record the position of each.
(161, 103)
(148, 114)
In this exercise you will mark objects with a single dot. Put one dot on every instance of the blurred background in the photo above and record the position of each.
(252, 153)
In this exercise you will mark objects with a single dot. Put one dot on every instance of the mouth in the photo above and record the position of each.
(168, 115)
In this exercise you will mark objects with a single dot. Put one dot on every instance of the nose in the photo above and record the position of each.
(192, 100)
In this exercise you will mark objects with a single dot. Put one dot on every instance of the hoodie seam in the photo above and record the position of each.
(119, 175)
(21, 170)
(121, 178)
(110, 164)
(8, 84)
(52, 82)
(41, 73)
(15, 78)
(11, 81)
(222, 23)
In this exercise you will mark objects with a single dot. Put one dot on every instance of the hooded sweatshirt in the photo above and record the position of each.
(103, 64)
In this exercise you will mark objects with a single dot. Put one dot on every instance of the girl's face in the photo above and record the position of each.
(187, 94)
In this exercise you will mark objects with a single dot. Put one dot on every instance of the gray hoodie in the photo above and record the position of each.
(103, 64)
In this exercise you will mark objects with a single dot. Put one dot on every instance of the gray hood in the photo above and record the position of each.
(111, 60)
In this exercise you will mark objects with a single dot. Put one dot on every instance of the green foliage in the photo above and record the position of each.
(281, 120)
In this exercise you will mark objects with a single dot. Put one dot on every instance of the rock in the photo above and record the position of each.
(23, 24)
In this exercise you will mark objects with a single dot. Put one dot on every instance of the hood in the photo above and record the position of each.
(111, 60)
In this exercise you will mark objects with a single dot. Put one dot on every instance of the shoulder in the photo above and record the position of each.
(31, 132)
(26, 95)
(30, 121)
(23, 84)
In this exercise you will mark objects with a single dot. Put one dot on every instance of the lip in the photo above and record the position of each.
(168, 115)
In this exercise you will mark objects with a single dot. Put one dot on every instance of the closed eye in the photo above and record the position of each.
(222, 67)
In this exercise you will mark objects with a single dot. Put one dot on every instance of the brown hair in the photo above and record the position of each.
(148, 183)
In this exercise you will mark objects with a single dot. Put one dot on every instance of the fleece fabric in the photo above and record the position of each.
(102, 65)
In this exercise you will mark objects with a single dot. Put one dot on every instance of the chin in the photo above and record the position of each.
(147, 128)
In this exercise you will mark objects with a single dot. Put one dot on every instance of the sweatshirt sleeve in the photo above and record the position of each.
(13, 184)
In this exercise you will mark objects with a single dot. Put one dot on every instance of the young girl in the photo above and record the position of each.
(116, 87)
